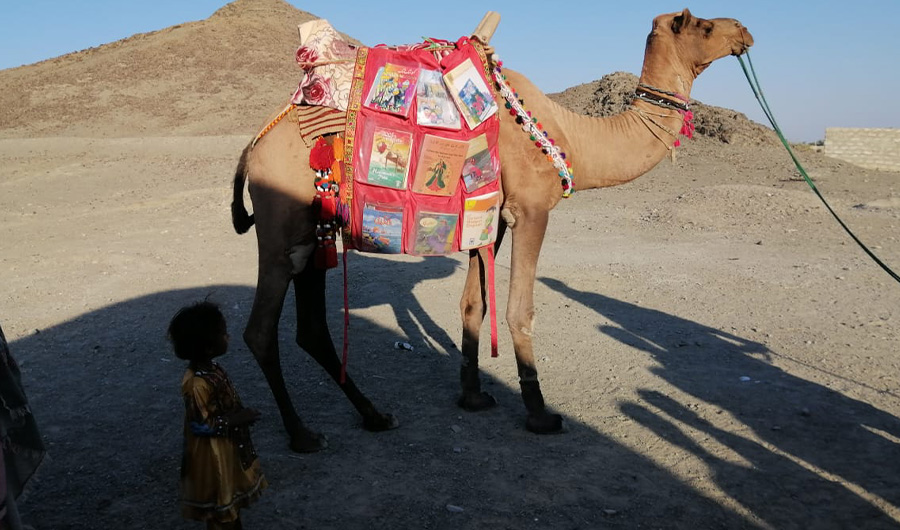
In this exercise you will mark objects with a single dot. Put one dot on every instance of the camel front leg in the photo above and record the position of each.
(528, 236)
(314, 337)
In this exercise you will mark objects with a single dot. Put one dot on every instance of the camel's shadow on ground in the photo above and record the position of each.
(811, 438)
(104, 387)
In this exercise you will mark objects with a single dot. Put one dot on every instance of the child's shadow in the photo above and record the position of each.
(834, 436)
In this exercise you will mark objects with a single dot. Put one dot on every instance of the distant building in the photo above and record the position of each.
(868, 148)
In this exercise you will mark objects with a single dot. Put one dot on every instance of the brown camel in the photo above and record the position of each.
(604, 152)
(397, 160)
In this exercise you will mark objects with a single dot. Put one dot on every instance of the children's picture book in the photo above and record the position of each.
(481, 166)
(440, 165)
(382, 228)
(471, 93)
(435, 233)
(389, 160)
(434, 108)
(479, 220)
(393, 89)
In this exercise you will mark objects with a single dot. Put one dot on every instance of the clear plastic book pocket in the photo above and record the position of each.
(432, 226)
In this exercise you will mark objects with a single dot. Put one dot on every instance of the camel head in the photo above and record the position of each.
(696, 42)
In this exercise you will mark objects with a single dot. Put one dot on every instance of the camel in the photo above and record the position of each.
(604, 151)
(397, 159)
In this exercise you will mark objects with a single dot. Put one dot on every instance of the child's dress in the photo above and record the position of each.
(220, 472)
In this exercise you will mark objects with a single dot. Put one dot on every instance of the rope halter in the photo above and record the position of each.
(669, 101)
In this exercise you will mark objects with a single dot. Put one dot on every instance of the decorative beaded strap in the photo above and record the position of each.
(540, 137)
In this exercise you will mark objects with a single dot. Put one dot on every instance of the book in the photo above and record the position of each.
(479, 220)
(440, 165)
(393, 89)
(434, 233)
(434, 108)
(470, 92)
(382, 228)
(482, 166)
(389, 160)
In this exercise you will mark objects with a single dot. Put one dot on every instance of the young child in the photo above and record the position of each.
(220, 472)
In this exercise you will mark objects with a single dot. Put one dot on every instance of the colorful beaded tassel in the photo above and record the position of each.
(534, 128)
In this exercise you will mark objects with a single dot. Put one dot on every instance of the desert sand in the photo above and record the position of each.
(724, 355)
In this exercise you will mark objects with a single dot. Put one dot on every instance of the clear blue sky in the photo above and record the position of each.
(821, 64)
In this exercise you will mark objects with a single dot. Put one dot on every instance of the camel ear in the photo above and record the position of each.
(681, 20)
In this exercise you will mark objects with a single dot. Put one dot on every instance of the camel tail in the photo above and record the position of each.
(241, 220)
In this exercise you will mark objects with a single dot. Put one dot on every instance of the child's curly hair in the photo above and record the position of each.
(195, 329)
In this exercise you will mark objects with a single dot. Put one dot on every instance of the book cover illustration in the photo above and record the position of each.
(382, 228)
(435, 233)
(393, 89)
(434, 108)
(471, 93)
(389, 160)
(479, 221)
(481, 166)
(440, 165)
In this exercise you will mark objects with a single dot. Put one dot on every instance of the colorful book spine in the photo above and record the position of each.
(435, 233)
(470, 92)
(382, 228)
(480, 219)
(393, 89)
(482, 166)
(434, 108)
(440, 165)
(389, 160)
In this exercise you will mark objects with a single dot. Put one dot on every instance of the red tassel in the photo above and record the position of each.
(326, 255)
(319, 258)
(322, 155)
(327, 207)
(331, 260)
(317, 205)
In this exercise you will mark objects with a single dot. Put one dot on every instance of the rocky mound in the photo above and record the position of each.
(613, 93)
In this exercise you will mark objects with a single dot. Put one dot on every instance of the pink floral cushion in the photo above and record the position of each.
(327, 61)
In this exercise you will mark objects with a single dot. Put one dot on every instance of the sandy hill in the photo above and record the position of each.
(215, 76)
(224, 75)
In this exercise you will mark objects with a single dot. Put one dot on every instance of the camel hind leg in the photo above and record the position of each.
(261, 336)
(314, 337)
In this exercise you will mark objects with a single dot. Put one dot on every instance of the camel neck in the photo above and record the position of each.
(603, 150)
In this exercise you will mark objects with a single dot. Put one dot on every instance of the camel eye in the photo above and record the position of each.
(708, 29)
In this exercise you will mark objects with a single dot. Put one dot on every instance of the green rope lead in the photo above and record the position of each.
(757, 91)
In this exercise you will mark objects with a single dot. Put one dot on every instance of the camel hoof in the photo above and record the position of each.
(308, 442)
(544, 423)
(476, 402)
(380, 422)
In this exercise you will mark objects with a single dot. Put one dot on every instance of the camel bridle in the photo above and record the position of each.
(666, 100)
(662, 98)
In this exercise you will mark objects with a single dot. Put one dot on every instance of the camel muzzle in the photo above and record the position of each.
(746, 42)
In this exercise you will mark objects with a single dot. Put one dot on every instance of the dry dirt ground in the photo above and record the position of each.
(723, 354)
